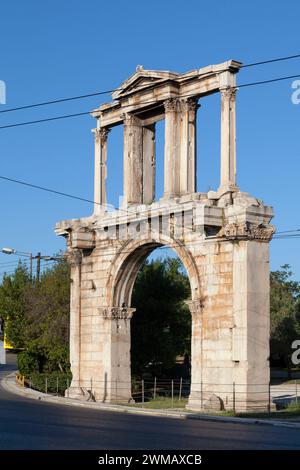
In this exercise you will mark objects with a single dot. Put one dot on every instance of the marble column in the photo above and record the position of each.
(148, 164)
(228, 139)
(172, 148)
(100, 170)
(188, 153)
(133, 160)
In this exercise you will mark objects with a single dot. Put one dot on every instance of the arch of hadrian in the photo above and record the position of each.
(222, 238)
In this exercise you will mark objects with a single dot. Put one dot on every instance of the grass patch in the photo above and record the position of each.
(290, 412)
(163, 403)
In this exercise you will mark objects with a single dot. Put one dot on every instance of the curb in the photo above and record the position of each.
(8, 384)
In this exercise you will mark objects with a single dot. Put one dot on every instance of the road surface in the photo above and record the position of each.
(30, 424)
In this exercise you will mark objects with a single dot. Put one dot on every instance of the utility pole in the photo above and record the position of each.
(30, 266)
(38, 257)
(38, 266)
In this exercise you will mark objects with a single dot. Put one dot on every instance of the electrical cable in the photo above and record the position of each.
(89, 95)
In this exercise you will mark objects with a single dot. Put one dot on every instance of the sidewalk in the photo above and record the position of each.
(9, 384)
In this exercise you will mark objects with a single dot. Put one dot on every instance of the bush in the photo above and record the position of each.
(42, 360)
(28, 362)
(54, 382)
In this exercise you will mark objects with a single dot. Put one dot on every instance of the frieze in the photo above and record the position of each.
(244, 230)
(117, 313)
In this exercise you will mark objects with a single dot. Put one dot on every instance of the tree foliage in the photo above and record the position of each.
(161, 325)
(36, 316)
(285, 313)
(13, 305)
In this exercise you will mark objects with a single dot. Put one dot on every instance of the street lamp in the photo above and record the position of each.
(12, 251)
(38, 257)
(8, 251)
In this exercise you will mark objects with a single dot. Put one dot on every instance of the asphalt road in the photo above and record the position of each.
(29, 424)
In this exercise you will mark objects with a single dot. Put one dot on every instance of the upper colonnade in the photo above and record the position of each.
(147, 97)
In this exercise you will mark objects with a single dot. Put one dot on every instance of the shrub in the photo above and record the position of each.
(28, 362)
(54, 382)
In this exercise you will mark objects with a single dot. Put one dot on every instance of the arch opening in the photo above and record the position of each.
(130, 259)
(161, 327)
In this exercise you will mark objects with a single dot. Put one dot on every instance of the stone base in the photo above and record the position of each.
(195, 403)
(75, 392)
(215, 403)
(81, 393)
(227, 188)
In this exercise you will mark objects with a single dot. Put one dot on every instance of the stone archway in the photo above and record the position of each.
(121, 276)
(128, 261)
(121, 279)
(222, 238)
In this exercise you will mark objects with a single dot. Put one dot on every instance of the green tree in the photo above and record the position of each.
(161, 325)
(13, 305)
(284, 309)
(46, 332)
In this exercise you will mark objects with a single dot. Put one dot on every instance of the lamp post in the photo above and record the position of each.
(38, 257)
(12, 251)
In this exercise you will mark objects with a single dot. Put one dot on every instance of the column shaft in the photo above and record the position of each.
(100, 170)
(172, 149)
(148, 164)
(188, 146)
(228, 139)
(133, 160)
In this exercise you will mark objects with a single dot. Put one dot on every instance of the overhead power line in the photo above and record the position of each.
(38, 121)
(286, 234)
(271, 80)
(85, 113)
(59, 100)
(288, 231)
(270, 61)
(42, 188)
(105, 92)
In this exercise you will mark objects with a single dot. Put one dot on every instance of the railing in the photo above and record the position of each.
(20, 379)
(173, 393)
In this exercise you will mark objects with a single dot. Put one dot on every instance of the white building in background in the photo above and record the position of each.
(2, 350)
(2, 353)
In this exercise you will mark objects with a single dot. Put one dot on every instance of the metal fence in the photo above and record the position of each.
(173, 393)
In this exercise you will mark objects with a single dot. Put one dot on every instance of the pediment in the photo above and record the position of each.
(142, 79)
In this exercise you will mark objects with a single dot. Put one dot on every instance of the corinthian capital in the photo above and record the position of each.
(189, 104)
(74, 257)
(228, 93)
(130, 119)
(195, 306)
(172, 105)
(101, 133)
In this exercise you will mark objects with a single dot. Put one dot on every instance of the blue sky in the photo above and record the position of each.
(55, 49)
